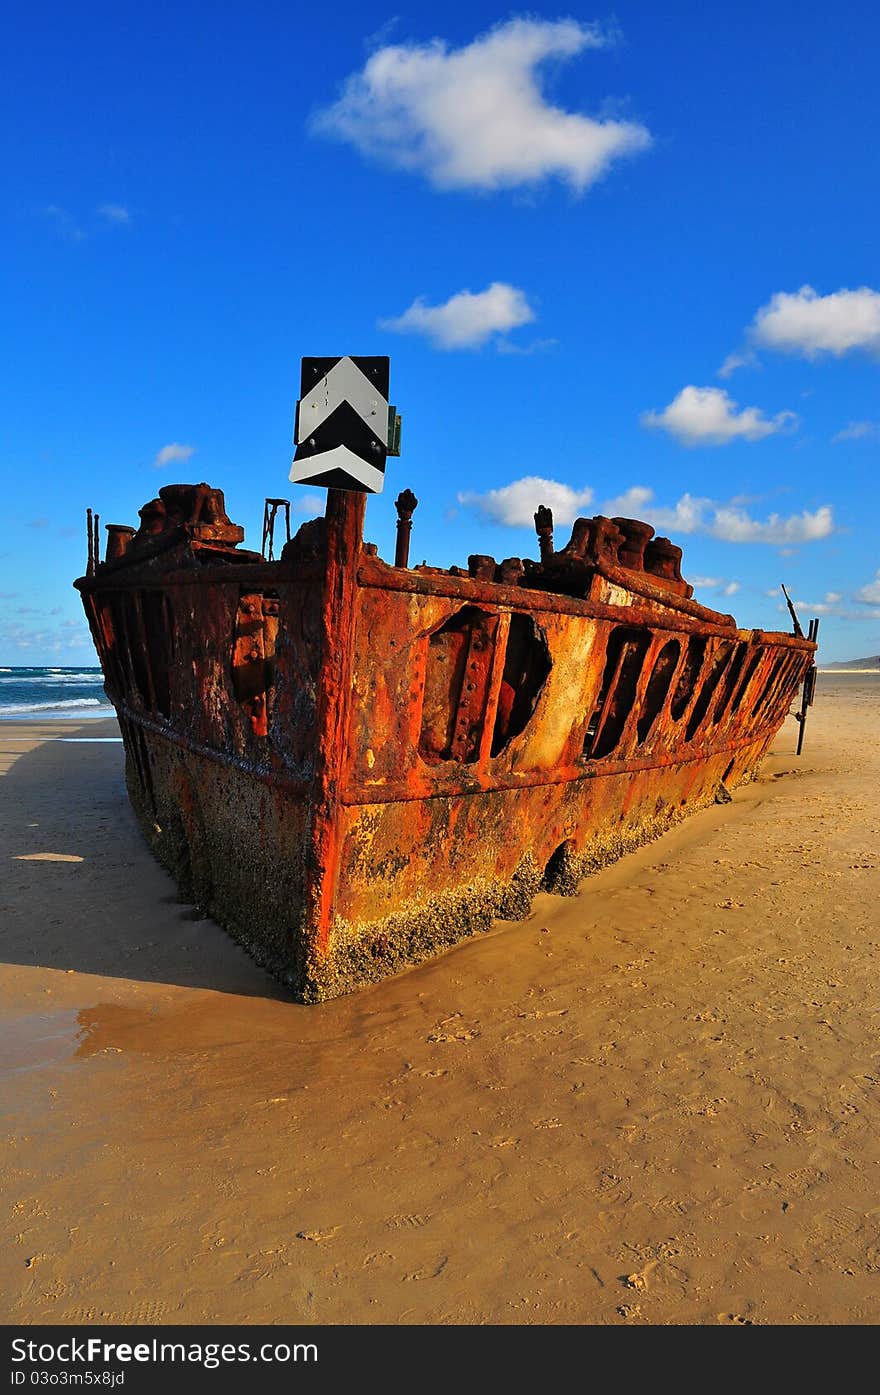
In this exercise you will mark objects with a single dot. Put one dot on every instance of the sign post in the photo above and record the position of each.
(344, 426)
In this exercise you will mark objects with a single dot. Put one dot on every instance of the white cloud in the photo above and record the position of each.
(311, 504)
(475, 117)
(687, 515)
(706, 416)
(746, 358)
(732, 524)
(831, 605)
(115, 213)
(515, 504)
(465, 320)
(858, 431)
(628, 504)
(716, 583)
(173, 454)
(870, 594)
(808, 323)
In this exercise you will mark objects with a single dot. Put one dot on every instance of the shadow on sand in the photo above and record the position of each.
(81, 891)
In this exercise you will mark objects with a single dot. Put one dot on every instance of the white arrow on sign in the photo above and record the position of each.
(339, 458)
(344, 383)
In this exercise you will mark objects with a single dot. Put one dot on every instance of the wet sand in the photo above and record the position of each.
(656, 1103)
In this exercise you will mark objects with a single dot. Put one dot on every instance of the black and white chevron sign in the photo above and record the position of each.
(341, 432)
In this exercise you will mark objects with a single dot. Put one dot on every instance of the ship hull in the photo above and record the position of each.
(353, 766)
(416, 877)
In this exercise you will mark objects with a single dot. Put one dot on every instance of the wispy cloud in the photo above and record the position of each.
(310, 504)
(833, 604)
(65, 224)
(746, 358)
(173, 454)
(115, 213)
(810, 324)
(858, 431)
(70, 634)
(465, 320)
(537, 346)
(73, 229)
(716, 583)
(870, 594)
(514, 505)
(706, 416)
(475, 117)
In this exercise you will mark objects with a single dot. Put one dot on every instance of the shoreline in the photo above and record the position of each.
(654, 1103)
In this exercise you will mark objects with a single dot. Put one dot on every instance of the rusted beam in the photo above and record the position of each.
(270, 512)
(344, 533)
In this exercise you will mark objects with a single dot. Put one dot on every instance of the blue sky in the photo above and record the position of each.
(631, 254)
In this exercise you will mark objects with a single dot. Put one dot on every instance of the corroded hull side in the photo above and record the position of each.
(234, 843)
(237, 848)
(352, 766)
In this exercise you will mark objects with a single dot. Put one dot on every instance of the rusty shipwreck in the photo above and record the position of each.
(351, 765)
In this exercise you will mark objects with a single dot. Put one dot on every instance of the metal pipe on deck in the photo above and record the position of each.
(405, 503)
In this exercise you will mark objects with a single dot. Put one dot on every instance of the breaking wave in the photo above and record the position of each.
(54, 676)
(8, 709)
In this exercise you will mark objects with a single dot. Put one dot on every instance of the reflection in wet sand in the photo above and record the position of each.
(35, 1040)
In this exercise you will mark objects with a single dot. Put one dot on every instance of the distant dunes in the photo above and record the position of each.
(872, 663)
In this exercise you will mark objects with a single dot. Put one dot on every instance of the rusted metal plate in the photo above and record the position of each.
(352, 765)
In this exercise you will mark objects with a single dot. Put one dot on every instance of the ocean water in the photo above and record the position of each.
(42, 693)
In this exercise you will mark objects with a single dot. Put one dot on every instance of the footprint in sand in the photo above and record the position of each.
(460, 1033)
(629, 1310)
(413, 1221)
(427, 1273)
(379, 1257)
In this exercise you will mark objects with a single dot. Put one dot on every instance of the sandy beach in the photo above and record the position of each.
(656, 1103)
